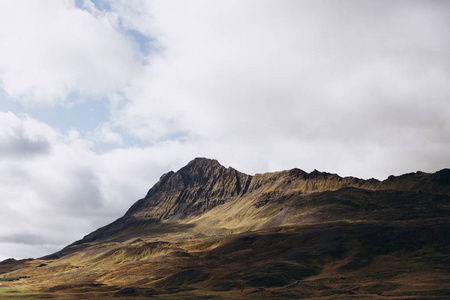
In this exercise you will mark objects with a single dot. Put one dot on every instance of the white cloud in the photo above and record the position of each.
(40, 188)
(51, 49)
(105, 133)
(319, 84)
(260, 75)
(22, 138)
(55, 196)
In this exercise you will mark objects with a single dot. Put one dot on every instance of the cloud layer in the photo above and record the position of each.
(311, 83)
(51, 50)
(354, 88)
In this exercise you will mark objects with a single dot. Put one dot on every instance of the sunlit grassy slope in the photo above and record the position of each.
(209, 231)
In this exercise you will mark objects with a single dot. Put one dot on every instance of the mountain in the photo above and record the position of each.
(211, 231)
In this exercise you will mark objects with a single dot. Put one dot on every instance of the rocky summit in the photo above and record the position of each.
(207, 231)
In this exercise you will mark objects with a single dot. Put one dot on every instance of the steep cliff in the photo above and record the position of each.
(199, 186)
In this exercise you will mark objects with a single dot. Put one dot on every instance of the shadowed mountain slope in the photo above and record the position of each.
(211, 231)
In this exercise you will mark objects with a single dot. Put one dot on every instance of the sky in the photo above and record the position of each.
(99, 98)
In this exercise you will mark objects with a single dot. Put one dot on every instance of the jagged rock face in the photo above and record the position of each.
(201, 185)
(204, 184)
(214, 199)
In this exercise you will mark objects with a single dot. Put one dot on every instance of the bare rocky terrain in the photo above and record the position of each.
(207, 231)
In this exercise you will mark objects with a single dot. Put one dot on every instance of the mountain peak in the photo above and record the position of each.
(203, 162)
(199, 186)
(201, 170)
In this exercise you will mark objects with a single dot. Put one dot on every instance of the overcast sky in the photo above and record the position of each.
(100, 98)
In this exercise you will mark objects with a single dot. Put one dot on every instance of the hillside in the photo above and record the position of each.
(211, 231)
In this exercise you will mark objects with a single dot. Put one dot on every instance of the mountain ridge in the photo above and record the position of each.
(214, 198)
(211, 231)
